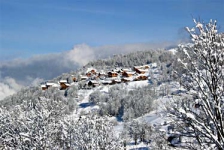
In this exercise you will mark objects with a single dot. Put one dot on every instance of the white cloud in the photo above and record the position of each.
(12, 83)
(5, 91)
(8, 87)
(81, 54)
(34, 81)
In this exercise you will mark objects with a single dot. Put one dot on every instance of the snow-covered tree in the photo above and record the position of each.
(138, 102)
(137, 130)
(35, 124)
(93, 132)
(201, 114)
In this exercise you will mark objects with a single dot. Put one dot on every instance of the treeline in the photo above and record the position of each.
(133, 59)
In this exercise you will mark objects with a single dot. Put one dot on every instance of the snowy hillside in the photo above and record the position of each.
(119, 95)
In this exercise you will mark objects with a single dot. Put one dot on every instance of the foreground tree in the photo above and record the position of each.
(93, 132)
(201, 114)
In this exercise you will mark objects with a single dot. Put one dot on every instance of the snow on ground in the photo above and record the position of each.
(140, 146)
(105, 89)
(136, 84)
(157, 117)
(118, 128)
(85, 94)
(83, 101)
(86, 107)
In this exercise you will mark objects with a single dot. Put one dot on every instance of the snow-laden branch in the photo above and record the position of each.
(203, 64)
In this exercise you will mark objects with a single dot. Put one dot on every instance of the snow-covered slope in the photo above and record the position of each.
(123, 99)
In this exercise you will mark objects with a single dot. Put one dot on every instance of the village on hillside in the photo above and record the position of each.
(94, 78)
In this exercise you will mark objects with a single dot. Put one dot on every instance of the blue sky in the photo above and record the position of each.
(34, 27)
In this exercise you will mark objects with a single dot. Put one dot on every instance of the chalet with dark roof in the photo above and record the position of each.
(112, 74)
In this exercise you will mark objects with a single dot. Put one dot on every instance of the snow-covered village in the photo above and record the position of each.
(93, 78)
(131, 85)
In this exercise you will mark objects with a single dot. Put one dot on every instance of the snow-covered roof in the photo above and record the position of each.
(106, 81)
(90, 69)
(83, 77)
(138, 67)
(63, 81)
(49, 84)
(143, 70)
(117, 80)
(130, 72)
(52, 84)
(67, 84)
(145, 74)
(129, 79)
(43, 85)
(112, 72)
(126, 70)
